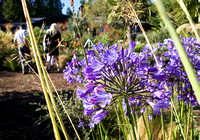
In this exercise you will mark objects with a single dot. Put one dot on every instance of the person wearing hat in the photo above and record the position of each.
(20, 39)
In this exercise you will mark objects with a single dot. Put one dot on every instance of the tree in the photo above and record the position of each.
(82, 2)
(54, 7)
(121, 11)
(13, 11)
(96, 12)
(69, 12)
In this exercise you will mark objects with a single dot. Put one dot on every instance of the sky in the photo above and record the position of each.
(76, 5)
(67, 4)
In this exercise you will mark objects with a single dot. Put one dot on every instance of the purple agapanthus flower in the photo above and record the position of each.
(173, 67)
(116, 73)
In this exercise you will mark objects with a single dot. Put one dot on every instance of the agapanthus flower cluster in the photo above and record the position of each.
(174, 69)
(115, 73)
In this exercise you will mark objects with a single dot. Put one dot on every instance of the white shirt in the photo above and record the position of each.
(20, 35)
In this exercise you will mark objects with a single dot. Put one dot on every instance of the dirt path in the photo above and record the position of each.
(18, 116)
(17, 82)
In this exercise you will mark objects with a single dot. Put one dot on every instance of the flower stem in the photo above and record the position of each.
(162, 122)
(188, 120)
(130, 117)
(192, 127)
(75, 18)
(145, 125)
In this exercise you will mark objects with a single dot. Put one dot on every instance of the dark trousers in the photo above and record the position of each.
(24, 54)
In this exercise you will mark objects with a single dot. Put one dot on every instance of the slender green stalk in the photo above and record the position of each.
(75, 17)
(123, 120)
(145, 125)
(183, 56)
(192, 127)
(46, 79)
(26, 14)
(129, 127)
(120, 123)
(101, 132)
(177, 119)
(171, 121)
(152, 125)
(148, 124)
(105, 132)
(64, 107)
(130, 118)
(188, 121)
(181, 3)
(182, 109)
(136, 118)
(163, 126)
(185, 121)
(93, 135)
(171, 124)
(199, 136)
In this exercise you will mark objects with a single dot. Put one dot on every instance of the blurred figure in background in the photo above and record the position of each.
(20, 39)
(46, 44)
(55, 38)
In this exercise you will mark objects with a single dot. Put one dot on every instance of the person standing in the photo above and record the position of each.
(55, 38)
(20, 38)
(46, 45)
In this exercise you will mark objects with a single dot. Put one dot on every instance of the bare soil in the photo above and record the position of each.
(17, 115)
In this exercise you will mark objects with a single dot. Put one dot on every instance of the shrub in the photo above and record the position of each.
(140, 38)
(7, 52)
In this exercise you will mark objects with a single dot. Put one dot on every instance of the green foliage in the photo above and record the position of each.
(11, 65)
(74, 108)
(104, 38)
(68, 39)
(65, 56)
(154, 18)
(140, 38)
(158, 36)
(154, 36)
(39, 34)
(179, 15)
(7, 52)
(139, 47)
(110, 35)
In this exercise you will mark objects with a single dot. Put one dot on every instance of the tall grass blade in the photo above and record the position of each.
(40, 63)
(26, 14)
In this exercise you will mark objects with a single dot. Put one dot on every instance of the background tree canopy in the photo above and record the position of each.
(12, 9)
